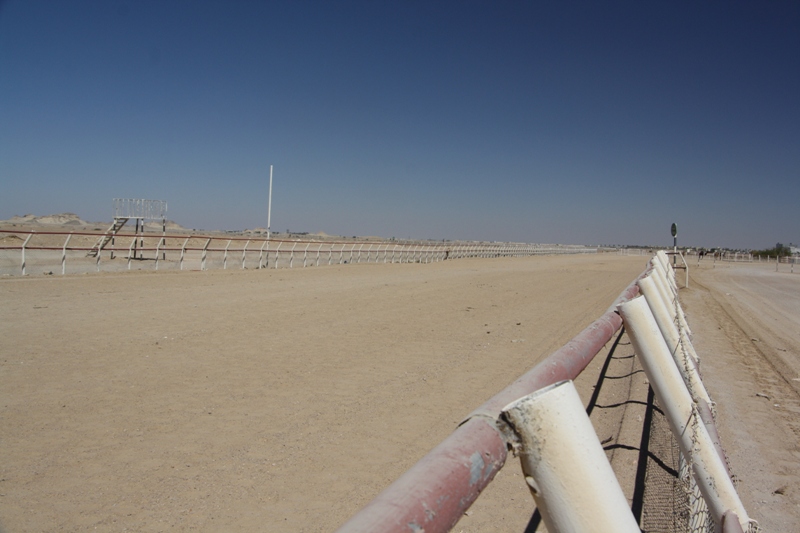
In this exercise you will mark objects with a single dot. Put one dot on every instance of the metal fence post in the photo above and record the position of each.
(157, 250)
(205, 254)
(710, 472)
(225, 257)
(564, 464)
(277, 253)
(131, 252)
(183, 252)
(64, 255)
(261, 254)
(24, 244)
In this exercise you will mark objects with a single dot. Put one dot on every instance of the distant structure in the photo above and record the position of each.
(137, 209)
(127, 208)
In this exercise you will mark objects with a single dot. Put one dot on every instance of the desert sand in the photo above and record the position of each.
(746, 323)
(284, 400)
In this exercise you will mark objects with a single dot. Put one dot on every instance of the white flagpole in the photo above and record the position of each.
(269, 204)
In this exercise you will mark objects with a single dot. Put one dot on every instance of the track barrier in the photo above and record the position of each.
(568, 473)
(203, 252)
(433, 495)
(664, 348)
(540, 417)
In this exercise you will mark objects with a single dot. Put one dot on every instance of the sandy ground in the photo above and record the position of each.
(746, 323)
(285, 400)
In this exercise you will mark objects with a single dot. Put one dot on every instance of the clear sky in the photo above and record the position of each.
(569, 122)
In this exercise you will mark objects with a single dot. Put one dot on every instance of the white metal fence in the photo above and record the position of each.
(661, 338)
(26, 252)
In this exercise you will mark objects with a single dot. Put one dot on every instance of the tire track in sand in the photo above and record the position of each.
(776, 375)
(758, 405)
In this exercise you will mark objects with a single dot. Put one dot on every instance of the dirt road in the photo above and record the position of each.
(746, 323)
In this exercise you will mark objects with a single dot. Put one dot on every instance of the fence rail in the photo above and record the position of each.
(434, 494)
(202, 252)
(726, 257)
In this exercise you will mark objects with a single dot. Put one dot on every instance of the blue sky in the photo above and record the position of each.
(568, 122)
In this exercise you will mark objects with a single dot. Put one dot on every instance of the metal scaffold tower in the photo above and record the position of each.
(132, 208)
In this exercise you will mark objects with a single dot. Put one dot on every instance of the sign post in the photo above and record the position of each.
(674, 231)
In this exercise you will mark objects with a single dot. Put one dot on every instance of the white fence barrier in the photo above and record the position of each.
(203, 252)
(564, 464)
(661, 340)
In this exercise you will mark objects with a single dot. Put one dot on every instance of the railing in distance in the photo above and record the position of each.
(272, 253)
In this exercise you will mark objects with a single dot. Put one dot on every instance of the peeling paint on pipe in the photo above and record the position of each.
(730, 523)
(433, 495)
(565, 466)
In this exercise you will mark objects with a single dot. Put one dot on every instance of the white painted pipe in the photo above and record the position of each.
(669, 294)
(685, 357)
(261, 254)
(667, 279)
(662, 258)
(665, 262)
(277, 254)
(225, 257)
(24, 244)
(663, 285)
(564, 464)
(64, 255)
(679, 345)
(709, 470)
(183, 252)
(269, 205)
(663, 272)
(670, 297)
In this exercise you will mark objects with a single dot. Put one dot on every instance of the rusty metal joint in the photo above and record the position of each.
(506, 431)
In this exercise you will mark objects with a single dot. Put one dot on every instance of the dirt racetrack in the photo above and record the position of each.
(284, 400)
(746, 323)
